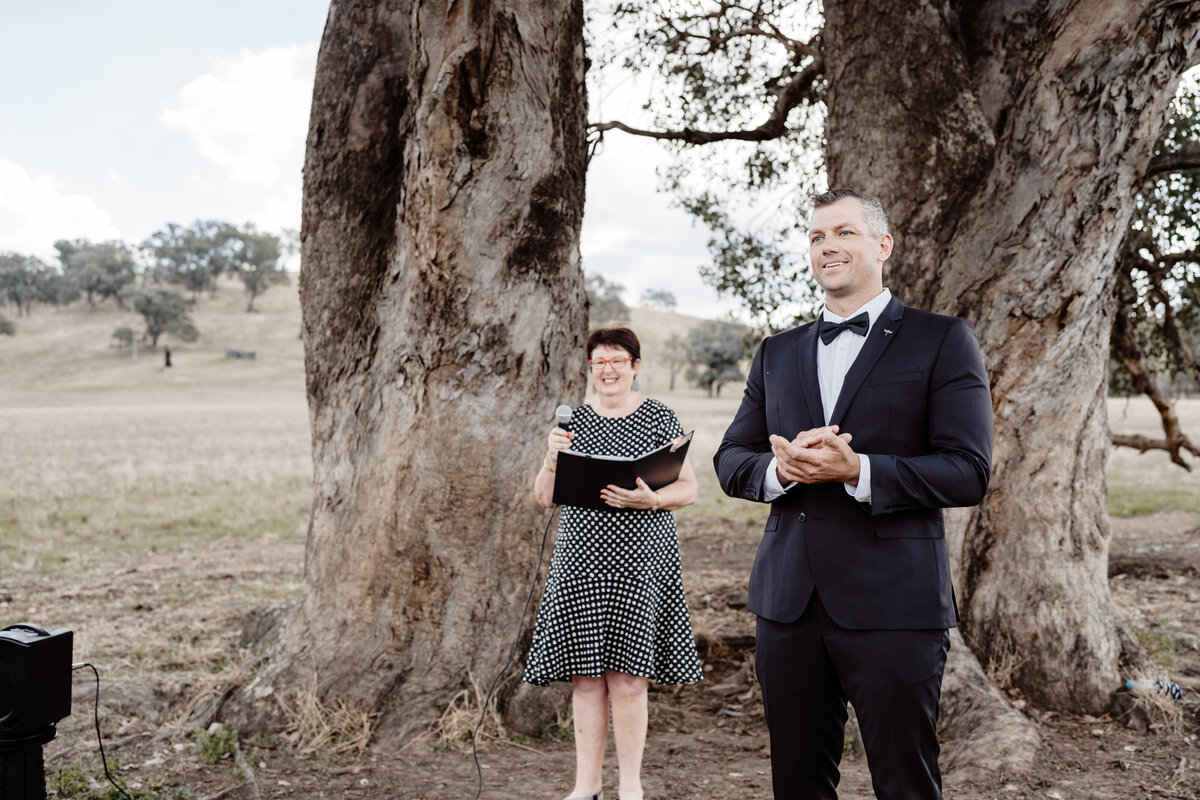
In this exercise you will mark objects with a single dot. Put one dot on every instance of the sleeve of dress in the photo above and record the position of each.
(671, 429)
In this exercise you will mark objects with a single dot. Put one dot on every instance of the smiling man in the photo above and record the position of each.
(858, 429)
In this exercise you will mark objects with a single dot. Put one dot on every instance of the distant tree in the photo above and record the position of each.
(605, 305)
(258, 258)
(123, 337)
(194, 256)
(7, 270)
(25, 280)
(20, 276)
(658, 298)
(677, 356)
(57, 288)
(165, 311)
(715, 350)
(98, 269)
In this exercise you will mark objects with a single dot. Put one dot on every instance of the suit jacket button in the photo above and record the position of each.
(803, 517)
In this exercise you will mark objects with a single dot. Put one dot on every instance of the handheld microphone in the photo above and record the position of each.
(562, 415)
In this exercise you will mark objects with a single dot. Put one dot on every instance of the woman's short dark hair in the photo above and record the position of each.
(615, 337)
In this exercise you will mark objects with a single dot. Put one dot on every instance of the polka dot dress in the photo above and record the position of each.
(614, 593)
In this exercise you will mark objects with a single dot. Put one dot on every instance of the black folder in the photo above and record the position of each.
(580, 477)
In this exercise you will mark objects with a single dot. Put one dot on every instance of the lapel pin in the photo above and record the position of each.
(887, 332)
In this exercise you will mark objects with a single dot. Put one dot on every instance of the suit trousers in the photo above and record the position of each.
(810, 668)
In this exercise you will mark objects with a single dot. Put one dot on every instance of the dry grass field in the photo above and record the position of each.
(151, 510)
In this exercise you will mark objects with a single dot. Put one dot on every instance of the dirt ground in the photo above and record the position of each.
(707, 740)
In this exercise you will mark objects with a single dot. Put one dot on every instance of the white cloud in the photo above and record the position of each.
(249, 116)
(281, 210)
(37, 211)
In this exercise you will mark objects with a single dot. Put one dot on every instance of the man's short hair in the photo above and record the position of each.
(872, 209)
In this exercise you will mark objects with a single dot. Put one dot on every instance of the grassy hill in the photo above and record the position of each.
(72, 347)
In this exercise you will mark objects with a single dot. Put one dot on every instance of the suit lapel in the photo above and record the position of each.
(809, 383)
(881, 335)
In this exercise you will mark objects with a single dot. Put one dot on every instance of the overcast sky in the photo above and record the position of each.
(121, 116)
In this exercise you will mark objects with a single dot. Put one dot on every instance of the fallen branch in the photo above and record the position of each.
(110, 745)
(220, 794)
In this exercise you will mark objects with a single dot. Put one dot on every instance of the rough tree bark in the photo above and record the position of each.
(442, 297)
(1011, 138)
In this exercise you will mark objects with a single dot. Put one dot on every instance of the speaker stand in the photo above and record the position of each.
(22, 770)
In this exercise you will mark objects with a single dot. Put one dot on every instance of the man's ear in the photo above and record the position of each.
(885, 247)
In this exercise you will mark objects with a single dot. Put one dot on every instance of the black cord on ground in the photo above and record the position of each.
(512, 655)
(99, 741)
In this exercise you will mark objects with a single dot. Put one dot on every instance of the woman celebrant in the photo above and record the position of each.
(613, 614)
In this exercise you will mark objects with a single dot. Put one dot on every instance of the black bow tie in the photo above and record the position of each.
(830, 330)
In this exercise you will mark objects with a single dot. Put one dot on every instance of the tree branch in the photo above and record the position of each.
(1144, 443)
(759, 24)
(1124, 342)
(762, 28)
(1167, 163)
(798, 89)
(716, 42)
(1174, 337)
(1171, 259)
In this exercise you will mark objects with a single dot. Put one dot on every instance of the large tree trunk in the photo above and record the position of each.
(1011, 139)
(443, 310)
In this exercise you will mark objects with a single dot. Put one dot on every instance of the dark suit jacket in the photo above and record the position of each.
(917, 403)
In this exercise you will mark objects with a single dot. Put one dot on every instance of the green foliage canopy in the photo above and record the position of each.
(258, 258)
(22, 279)
(98, 269)
(715, 351)
(165, 311)
(193, 256)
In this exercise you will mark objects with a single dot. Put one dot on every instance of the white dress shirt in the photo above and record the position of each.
(833, 362)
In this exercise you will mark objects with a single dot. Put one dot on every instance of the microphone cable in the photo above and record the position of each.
(100, 741)
(511, 656)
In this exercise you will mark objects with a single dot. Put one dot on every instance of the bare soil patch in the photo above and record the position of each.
(148, 618)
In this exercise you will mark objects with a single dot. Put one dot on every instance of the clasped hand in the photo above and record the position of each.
(820, 455)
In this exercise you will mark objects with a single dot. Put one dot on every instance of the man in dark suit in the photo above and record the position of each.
(858, 429)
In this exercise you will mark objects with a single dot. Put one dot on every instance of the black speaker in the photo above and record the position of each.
(35, 682)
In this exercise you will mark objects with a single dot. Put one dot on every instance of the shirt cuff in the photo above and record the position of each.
(861, 492)
(772, 488)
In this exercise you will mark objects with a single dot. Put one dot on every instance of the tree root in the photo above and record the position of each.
(984, 736)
